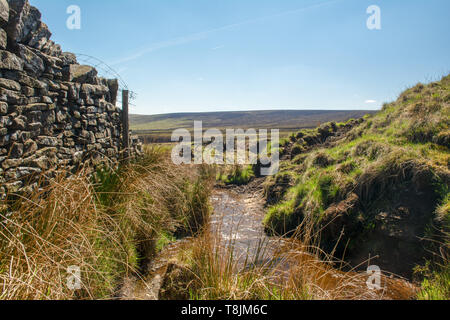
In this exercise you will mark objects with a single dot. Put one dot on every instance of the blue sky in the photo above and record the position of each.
(228, 55)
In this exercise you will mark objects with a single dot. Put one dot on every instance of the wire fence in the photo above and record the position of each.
(106, 71)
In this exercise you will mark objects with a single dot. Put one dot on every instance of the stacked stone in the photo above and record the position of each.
(53, 112)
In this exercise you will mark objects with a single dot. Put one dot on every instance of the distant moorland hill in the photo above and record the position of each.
(159, 127)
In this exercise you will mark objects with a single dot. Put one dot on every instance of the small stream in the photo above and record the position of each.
(238, 223)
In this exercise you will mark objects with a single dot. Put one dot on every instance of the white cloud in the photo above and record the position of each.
(371, 101)
(218, 47)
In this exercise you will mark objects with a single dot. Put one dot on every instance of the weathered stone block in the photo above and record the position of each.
(10, 61)
(40, 37)
(79, 73)
(48, 152)
(68, 59)
(24, 136)
(23, 78)
(30, 147)
(5, 121)
(47, 141)
(4, 12)
(3, 108)
(41, 162)
(34, 116)
(3, 39)
(12, 97)
(28, 91)
(34, 126)
(77, 125)
(24, 172)
(11, 163)
(35, 107)
(60, 117)
(49, 117)
(13, 187)
(32, 61)
(15, 136)
(16, 150)
(19, 123)
(46, 99)
(10, 84)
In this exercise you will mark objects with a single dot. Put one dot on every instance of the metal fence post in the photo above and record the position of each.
(125, 125)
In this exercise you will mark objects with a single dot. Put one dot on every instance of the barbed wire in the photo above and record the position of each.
(106, 71)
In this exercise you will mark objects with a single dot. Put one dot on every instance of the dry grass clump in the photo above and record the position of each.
(106, 225)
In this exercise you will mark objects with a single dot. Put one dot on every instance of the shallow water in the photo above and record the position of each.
(237, 223)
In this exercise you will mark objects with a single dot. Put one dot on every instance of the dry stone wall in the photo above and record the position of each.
(53, 112)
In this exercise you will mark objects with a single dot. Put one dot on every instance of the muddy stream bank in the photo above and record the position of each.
(236, 225)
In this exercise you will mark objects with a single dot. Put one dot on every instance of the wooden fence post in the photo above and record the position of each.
(125, 126)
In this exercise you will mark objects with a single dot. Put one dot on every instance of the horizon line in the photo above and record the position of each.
(262, 110)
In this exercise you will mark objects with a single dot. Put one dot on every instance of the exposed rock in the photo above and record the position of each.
(10, 61)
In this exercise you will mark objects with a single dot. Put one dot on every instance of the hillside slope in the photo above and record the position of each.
(376, 188)
(281, 119)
